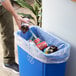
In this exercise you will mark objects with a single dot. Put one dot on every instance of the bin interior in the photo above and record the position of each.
(44, 36)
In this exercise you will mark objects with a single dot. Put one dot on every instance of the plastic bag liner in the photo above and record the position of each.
(60, 56)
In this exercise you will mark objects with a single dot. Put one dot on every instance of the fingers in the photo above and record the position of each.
(20, 20)
(25, 20)
(19, 26)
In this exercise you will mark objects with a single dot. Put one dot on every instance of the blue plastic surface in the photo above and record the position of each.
(33, 67)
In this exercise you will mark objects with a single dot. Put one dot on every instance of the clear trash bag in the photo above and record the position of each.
(59, 56)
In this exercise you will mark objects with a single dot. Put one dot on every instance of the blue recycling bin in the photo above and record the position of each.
(45, 65)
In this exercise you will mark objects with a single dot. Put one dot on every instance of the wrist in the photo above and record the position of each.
(15, 15)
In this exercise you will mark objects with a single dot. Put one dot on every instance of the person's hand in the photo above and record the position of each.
(20, 20)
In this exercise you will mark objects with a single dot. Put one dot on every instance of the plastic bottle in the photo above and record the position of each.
(50, 49)
(24, 27)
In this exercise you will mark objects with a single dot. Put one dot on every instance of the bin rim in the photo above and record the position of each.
(47, 55)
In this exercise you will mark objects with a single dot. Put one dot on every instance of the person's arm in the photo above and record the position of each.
(7, 5)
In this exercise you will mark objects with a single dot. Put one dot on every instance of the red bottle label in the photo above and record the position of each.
(37, 41)
(42, 45)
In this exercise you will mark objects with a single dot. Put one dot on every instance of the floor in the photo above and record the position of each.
(3, 71)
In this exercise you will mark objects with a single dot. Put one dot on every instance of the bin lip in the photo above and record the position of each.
(53, 57)
(47, 55)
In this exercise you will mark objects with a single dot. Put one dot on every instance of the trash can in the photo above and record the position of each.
(33, 62)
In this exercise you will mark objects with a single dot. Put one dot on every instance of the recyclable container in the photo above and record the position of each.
(34, 62)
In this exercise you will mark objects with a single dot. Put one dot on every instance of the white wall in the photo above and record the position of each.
(59, 17)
